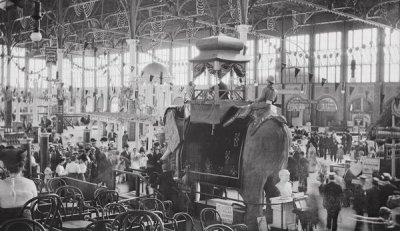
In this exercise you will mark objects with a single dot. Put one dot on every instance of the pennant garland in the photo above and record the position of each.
(296, 72)
(310, 77)
(337, 86)
(283, 66)
(351, 90)
(323, 81)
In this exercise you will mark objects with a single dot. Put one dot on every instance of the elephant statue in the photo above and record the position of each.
(230, 144)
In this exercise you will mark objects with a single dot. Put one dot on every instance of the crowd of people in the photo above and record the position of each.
(371, 198)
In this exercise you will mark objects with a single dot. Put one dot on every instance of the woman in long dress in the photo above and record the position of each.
(312, 158)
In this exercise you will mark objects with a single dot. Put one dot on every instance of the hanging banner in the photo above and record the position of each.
(51, 55)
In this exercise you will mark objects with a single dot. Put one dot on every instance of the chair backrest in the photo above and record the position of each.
(138, 220)
(39, 184)
(106, 197)
(72, 201)
(21, 224)
(97, 191)
(54, 183)
(100, 225)
(44, 209)
(152, 204)
(184, 222)
(218, 227)
(209, 216)
(110, 211)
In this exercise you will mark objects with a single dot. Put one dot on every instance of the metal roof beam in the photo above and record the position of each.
(343, 14)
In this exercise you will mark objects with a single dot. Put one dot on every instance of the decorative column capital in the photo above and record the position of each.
(132, 42)
(44, 134)
(243, 29)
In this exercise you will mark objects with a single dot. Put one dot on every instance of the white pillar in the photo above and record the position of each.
(243, 29)
(18, 111)
(35, 118)
(60, 58)
(49, 88)
(151, 135)
(132, 43)
(137, 136)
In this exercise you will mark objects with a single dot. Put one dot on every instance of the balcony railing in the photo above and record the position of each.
(223, 95)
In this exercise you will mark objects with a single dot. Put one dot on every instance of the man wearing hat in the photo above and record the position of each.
(332, 201)
(269, 94)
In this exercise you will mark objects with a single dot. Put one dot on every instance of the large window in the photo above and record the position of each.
(362, 52)
(297, 48)
(180, 65)
(77, 71)
(115, 70)
(102, 74)
(89, 73)
(269, 59)
(17, 67)
(392, 56)
(328, 56)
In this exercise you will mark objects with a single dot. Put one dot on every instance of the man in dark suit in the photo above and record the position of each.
(126, 156)
(332, 202)
(372, 196)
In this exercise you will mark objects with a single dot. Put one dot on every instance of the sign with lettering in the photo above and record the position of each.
(370, 165)
(226, 212)
(51, 55)
(327, 105)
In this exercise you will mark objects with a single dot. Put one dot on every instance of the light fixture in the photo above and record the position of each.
(36, 36)
(302, 89)
(343, 89)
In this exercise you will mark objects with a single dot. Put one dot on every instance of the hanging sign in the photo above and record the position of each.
(297, 104)
(327, 105)
(51, 55)
(370, 165)
(226, 212)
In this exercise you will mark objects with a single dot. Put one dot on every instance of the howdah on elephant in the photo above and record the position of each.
(229, 144)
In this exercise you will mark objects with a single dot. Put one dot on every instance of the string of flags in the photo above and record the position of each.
(22, 68)
(102, 67)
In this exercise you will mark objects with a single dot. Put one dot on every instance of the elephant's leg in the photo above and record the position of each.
(254, 198)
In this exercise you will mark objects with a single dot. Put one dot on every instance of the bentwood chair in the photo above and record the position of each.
(21, 224)
(44, 209)
(54, 183)
(39, 184)
(74, 211)
(209, 216)
(110, 211)
(157, 206)
(138, 220)
(105, 197)
(218, 227)
(184, 222)
(100, 225)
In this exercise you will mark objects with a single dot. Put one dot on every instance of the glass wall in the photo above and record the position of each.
(392, 56)
(297, 56)
(180, 65)
(328, 57)
(269, 59)
(362, 51)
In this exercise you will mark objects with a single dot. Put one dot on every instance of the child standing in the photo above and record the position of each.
(47, 173)
(340, 154)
